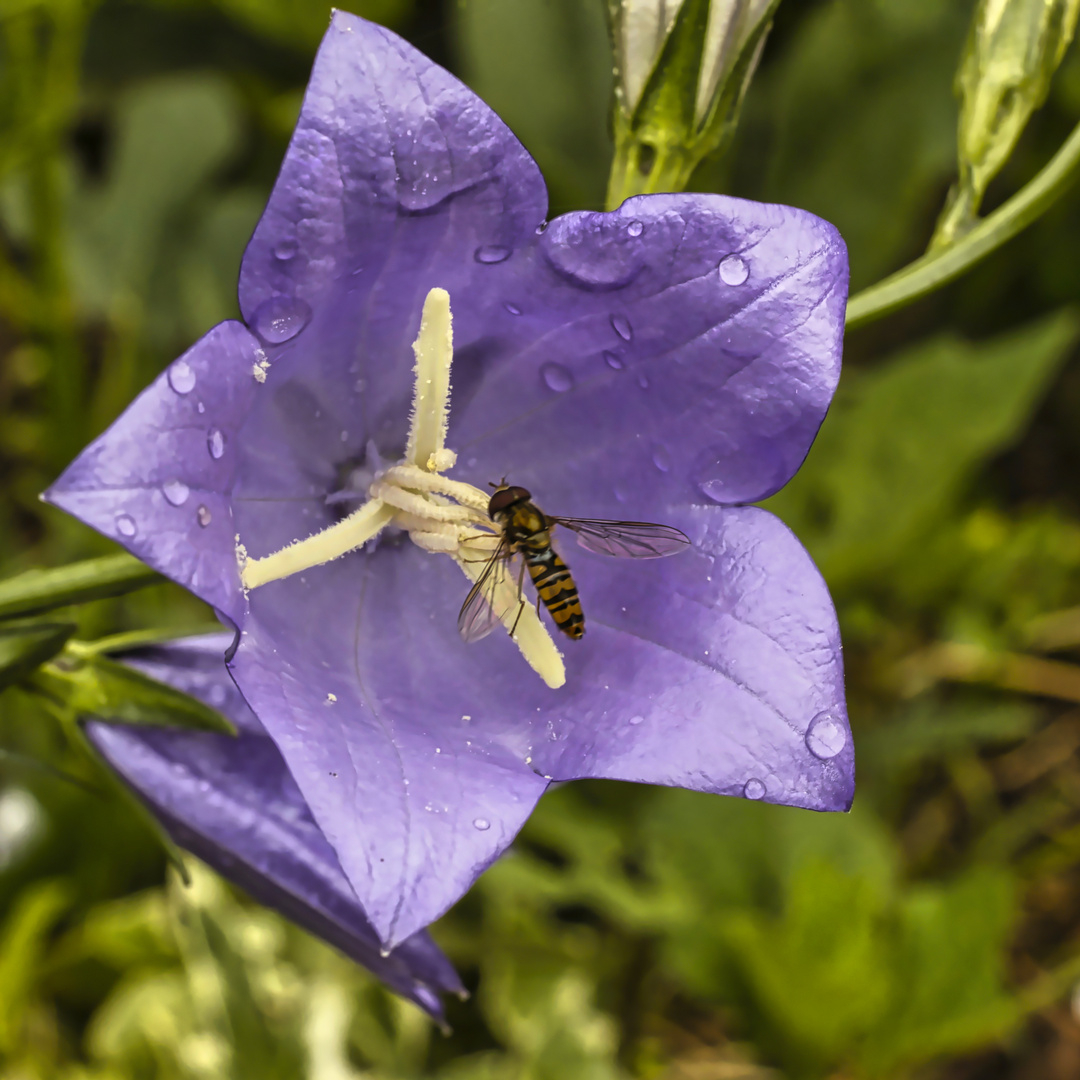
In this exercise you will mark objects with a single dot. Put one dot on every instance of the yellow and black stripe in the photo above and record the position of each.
(555, 586)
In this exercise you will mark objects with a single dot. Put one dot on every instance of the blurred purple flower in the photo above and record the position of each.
(668, 361)
(233, 803)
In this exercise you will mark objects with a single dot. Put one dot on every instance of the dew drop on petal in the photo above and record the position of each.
(825, 737)
(285, 249)
(125, 525)
(181, 377)
(203, 516)
(556, 377)
(512, 308)
(491, 253)
(215, 443)
(733, 270)
(621, 325)
(176, 492)
(643, 381)
(661, 457)
(201, 407)
(482, 824)
(753, 788)
(635, 720)
(280, 318)
(613, 361)
(635, 228)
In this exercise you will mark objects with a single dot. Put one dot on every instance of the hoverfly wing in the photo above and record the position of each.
(482, 610)
(626, 539)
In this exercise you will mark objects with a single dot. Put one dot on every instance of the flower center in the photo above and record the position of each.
(440, 515)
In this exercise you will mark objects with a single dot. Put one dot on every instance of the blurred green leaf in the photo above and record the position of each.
(35, 591)
(947, 974)
(88, 684)
(25, 646)
(172, 136)
(545, 67)
(901, 439)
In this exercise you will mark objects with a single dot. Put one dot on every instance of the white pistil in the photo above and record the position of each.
(441, 516)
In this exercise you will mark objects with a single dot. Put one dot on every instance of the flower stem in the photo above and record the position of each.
(938, 267)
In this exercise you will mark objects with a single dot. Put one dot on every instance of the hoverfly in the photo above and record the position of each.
(526, 532)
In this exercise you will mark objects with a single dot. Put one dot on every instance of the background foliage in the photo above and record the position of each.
(632, 931)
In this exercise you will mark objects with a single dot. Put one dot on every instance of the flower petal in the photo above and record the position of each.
(233, 803)
(159, 479)
(706, 670)
(728, 666)
(683, 346)
(416, 803)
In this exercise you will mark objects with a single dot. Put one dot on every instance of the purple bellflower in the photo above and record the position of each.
(233, 803)
(670, 361)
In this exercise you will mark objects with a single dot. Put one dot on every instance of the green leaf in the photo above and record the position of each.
(948, 973)
(26, 646)
(549, 78)
(36, 591)
(902, 438)
(88, 684)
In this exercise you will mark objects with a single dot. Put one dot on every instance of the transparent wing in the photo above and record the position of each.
(489, 600)
(626, 539)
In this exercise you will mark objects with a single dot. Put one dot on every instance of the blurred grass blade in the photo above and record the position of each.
(87, 684)
(36, 591)
(26, 646)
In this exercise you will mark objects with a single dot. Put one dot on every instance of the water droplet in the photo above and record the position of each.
(621, 325)
(732, 472)
(203, 516)
(613, 361)
(733, 270)
(215, 443)
(286, 249)
(512, 308)
(491, 253)
(125, 525)
(825, 737)
(181, 377)
(176, 492)
(556, 377)
(201, 407)
(482, 824)
(661, 458)
(635, 720)
(643, 381)
(635, 228)
(753, 788)
(620, 493)
(280, 318)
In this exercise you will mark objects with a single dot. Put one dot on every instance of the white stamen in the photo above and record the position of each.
(434, 351)
(333, 542)
(441, 516)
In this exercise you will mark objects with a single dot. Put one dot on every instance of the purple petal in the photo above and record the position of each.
(159, 480)
(707, 670)
(233, 803)
(636, 377)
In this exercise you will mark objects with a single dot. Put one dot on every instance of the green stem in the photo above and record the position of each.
(937, 268)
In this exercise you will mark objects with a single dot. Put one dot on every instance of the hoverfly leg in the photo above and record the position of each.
(521, 598)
